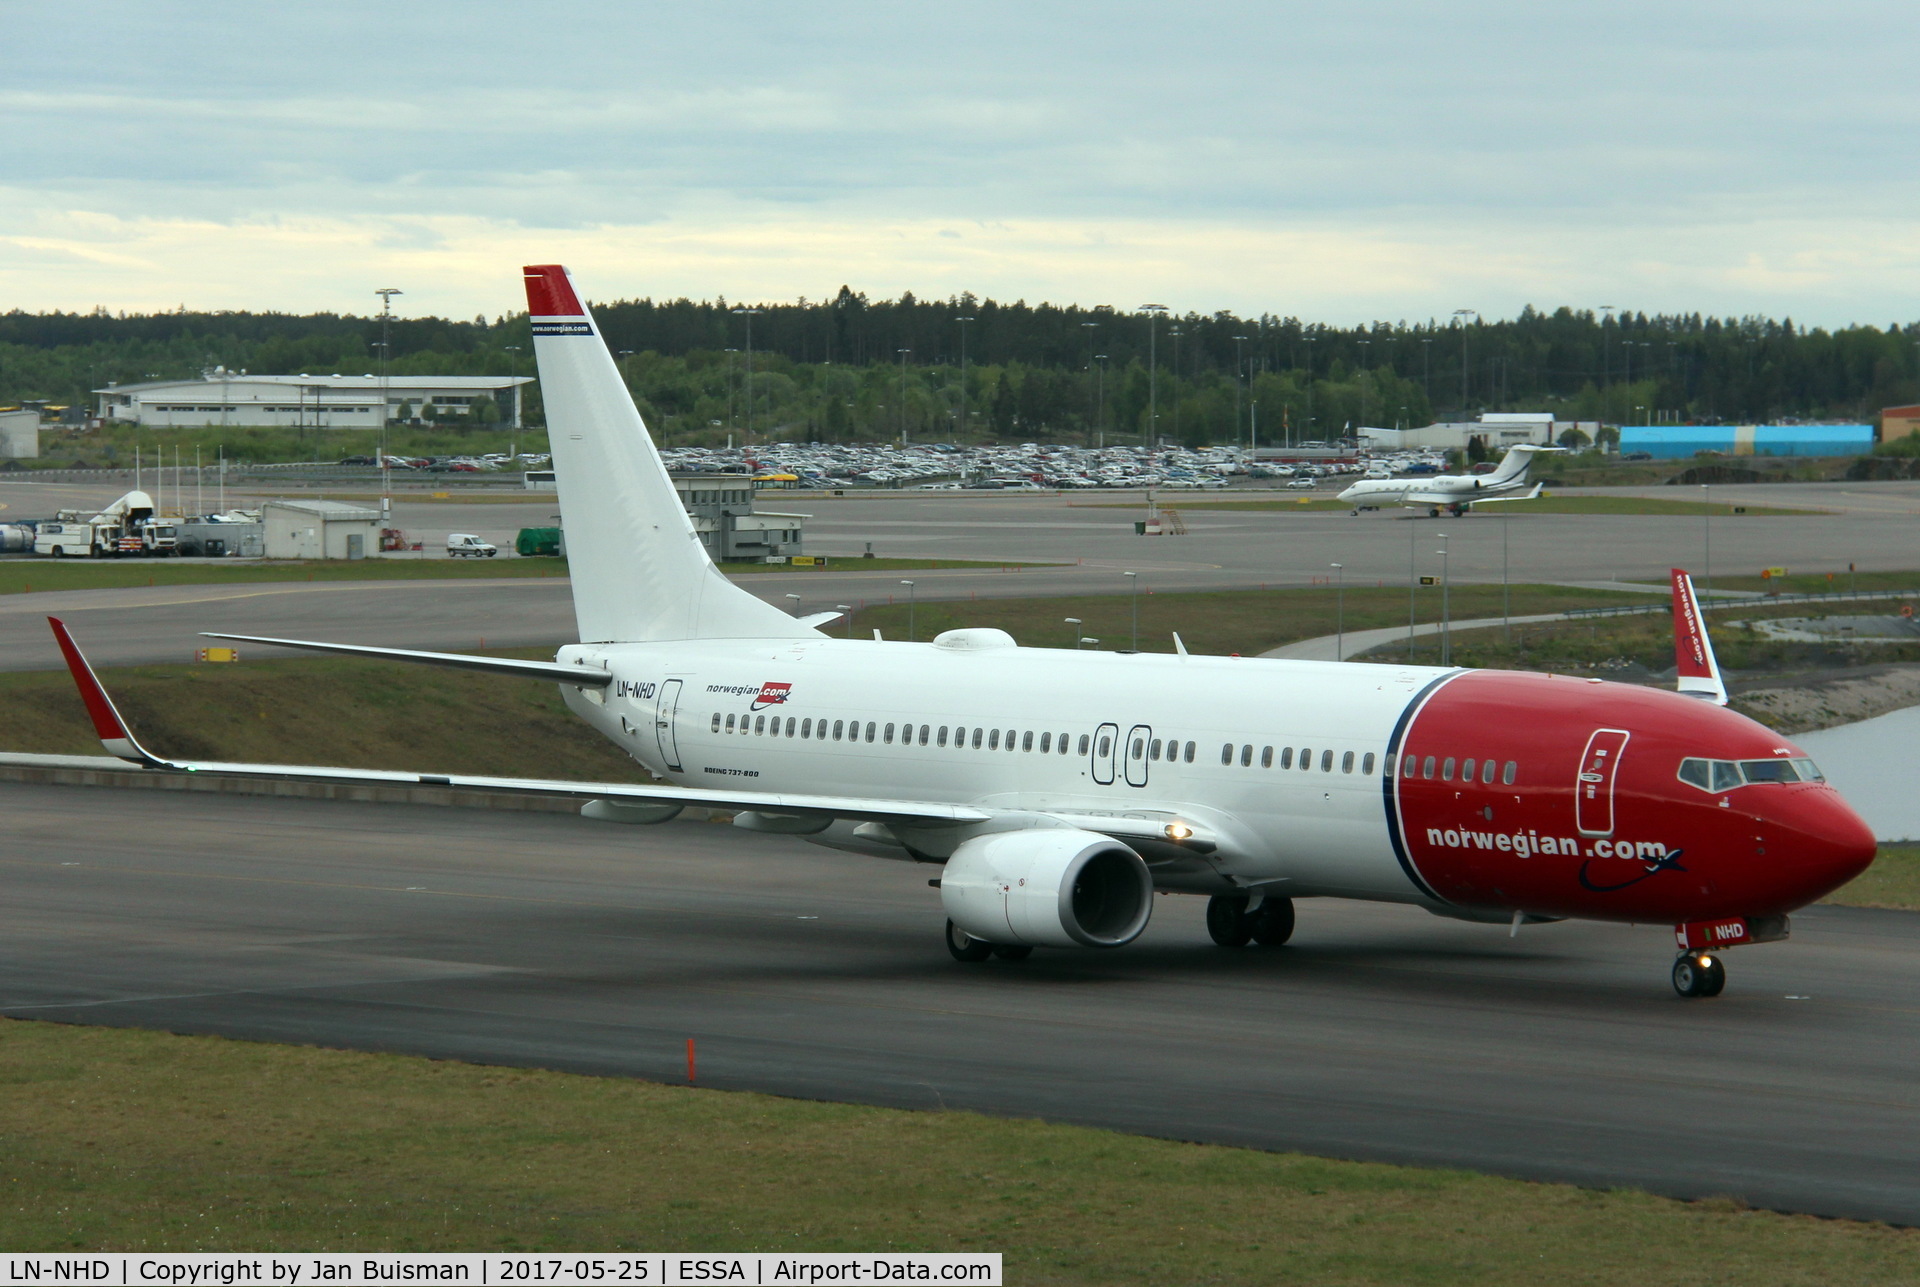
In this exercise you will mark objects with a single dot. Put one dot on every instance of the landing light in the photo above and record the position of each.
(1178, 831)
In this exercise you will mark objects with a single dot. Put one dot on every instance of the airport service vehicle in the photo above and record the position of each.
(64, 539)
(465, 545)
(129, 526)
(1052, 793)
(1453, 492)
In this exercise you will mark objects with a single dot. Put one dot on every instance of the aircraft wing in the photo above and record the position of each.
(120, 741)
(583, 676)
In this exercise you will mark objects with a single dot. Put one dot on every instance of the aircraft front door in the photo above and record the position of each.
(1106, 740)
(1136, 753)
(1593, 787)
(663, 723)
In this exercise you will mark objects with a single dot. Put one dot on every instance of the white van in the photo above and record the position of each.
(64, 540)
(461, 545)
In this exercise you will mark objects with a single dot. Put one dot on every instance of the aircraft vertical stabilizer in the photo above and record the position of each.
(639, 570)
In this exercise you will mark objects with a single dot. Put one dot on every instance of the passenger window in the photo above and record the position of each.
(1226, 753)
(1026, 741)
(1486, 772)
(1010, 739)
(729, 723)
(1246, 755)
(1466, 770)
(1139, 748)
(806, 728)
(1106, 746)
(760, 725)
(789, 726)
(1306, 758)
(1346, 762)
(1046, 743)
(1286, 757)
(888, 735)
(1426, 769)
(716, 721)
(1508, 774)
(1153, 749)
(1366, 765)
(925, 729)
(1446, 770)
(1083, 743)
(943, 735)
(838, 727)
(1326, 761)
(1190, 750)
(869, 730)
(976, 738)
(1266, 757)
(993, 742)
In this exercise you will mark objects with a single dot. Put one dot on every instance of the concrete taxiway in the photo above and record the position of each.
(1381, 1032)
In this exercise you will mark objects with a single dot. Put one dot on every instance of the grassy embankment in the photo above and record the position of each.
(127, 1140)
(1892, 881)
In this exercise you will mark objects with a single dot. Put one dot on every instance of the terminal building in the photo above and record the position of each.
(1676, 442)
(732, 531)
(223, 398)
(1498, 430)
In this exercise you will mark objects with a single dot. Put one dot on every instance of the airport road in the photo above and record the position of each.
(1381, 1033)
(1091, 544)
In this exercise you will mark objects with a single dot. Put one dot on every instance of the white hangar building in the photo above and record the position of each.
(306, 401)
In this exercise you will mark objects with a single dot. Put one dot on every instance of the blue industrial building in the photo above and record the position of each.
(1670, 442)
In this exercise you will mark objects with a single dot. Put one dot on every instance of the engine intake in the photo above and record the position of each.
(1053, 887)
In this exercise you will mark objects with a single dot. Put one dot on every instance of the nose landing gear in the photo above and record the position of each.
(1233, 920)
(1695, 974)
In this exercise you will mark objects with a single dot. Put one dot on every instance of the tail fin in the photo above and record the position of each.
(1693, 657)
(1515, 464)
(639, 570)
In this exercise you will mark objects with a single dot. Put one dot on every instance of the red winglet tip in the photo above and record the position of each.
(550, 292)
(106, 720)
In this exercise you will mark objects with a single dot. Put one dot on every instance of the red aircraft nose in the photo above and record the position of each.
(1808, 842)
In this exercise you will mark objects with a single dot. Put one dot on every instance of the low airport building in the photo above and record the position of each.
(227, 398)
(1676, 442)
(731, 529)
(1899, 422)
(1498, 430)
(318, 529)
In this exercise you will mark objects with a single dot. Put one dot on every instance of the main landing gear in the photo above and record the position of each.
(965, 947)
(1234, 920)
(1697, 974)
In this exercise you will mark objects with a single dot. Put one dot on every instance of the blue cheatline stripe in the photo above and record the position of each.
(1390, 786)
(562, 328)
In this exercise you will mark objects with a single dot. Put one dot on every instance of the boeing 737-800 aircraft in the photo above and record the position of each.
(1455, 492)
(1056, 791)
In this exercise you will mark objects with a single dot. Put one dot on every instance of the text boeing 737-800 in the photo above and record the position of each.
(1057, 791)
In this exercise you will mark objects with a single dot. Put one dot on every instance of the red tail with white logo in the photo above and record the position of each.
(1693, 657)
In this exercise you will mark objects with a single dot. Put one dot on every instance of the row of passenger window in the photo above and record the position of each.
(889, 734)
(1428, 768)
(1304, 759)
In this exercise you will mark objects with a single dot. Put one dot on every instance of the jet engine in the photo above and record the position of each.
(1050, 887)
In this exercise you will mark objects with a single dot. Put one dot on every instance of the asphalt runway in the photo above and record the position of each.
(1380, 1033)
(1087, 541)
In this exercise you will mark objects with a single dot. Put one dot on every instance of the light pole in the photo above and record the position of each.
(1463, 314)
(1076, 623)
(1446, 613)
(1133, 583)
(1606, 352)
(1239, 372)
(1153, 312)
(1100, 417)
(1310, 340)
(963, 371)
(1175, 333)
(513, 370)
(903, 394)
(1339, 612)
(386, 294)
(749, 313)
(1706, 536)
(796, 603)
(1090, 328)
(1506, 603)
(1366, 356)
(1426, 348)
(911, 636)
(1413, 583)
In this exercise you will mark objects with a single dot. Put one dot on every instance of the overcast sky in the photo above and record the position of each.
(1339, 162)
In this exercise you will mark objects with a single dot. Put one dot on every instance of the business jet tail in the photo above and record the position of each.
(1515, 464)
(639, 571)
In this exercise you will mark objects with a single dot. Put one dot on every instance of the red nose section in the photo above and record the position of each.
(1809, 842)
(550, 293)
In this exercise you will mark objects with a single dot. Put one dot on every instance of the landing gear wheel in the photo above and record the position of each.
(965, 947)
(1696, 975)
(1012, 951)
(1227, 921)
(1273, 922)
(1433, 513)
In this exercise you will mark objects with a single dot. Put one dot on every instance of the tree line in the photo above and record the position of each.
(965, 367)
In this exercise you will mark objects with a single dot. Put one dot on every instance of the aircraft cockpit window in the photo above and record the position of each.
(1697, 773)
(1726, 775)
(1809, 771)
(1769, 771)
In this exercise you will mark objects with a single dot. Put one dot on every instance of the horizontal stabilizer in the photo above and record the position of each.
(818, 619)
(584, 676)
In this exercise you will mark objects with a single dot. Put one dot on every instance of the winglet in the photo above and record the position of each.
(1699, 670)
(106, 720)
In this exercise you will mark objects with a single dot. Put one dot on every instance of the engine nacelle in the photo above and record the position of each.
(1048, 887)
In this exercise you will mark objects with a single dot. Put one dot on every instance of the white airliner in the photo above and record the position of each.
(1055, 792)
(1455, 492)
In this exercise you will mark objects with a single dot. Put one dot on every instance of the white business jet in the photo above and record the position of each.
(1454, 492)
